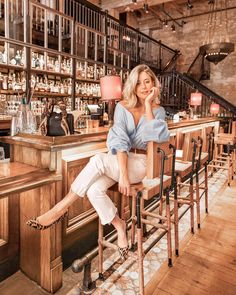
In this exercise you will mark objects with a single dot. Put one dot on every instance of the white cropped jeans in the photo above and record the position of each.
(102, 172)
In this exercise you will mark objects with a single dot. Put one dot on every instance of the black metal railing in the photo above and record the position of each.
(177, 89)
(140, 47)
(199, 68)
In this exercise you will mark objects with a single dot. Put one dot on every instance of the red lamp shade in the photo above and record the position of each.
(196, 99)
(110, 88)
(214, 108)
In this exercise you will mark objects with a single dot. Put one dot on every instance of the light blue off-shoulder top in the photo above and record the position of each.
(124, 135)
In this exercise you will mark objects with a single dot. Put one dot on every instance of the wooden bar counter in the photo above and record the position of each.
(39, 174)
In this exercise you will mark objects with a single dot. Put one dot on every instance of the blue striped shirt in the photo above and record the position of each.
(124, 135)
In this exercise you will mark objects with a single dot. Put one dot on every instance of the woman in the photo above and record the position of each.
(138, 119)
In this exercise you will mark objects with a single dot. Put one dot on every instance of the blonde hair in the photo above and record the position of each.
(129, 91)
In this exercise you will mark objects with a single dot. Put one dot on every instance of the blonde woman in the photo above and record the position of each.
(138, 119)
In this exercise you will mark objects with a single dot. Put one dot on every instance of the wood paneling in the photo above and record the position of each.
(9, 248)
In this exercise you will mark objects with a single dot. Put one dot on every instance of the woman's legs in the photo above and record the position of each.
(97, 166)
(90, 180)
(58, 210)
(105, 208)
(120, 226)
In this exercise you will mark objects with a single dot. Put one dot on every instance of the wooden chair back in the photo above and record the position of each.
(185, 144)
(154, 158)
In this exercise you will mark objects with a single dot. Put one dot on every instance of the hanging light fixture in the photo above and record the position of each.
(216, 44)
(145, 7)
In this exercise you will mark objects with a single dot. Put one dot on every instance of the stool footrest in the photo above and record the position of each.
(146, 213)
(220, 161)
(182, 201)
(108, 244)
(184, 184)
(158, 225)
(219, 167)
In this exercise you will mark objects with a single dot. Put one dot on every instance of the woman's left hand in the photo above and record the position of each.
(124, 185)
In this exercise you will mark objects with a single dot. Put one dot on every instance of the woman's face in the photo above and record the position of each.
(144, 85)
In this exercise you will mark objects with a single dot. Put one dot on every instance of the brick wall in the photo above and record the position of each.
(188, 40)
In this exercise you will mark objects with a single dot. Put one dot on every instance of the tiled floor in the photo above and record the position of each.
(123, 279)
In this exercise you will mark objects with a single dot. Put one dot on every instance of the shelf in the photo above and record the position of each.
(87, 80)
(87, 96)
(44, 72)
(11, 67)
(50, 94)
(12, 92)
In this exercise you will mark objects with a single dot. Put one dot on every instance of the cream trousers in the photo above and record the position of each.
(102, 172)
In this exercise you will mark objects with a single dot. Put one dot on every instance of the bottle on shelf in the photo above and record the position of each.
(26, 121)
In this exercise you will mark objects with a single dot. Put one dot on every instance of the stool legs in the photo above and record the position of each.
(206, 187)
(140, 244)
(133, 222)
(168, 221)
(176, 220)
(100, 249)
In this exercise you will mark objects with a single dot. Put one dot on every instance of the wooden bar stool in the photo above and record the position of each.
(161, 156)
(192, 161)
(222, 160)
(156, 182)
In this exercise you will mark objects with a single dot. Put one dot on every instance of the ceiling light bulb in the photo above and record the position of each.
(189, 5)
(145, 7)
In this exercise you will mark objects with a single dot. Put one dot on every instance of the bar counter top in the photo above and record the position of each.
(5, 122)
(51, 143)
(16, 177)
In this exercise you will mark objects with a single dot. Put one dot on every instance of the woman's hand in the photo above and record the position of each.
(124, 184)
(152, 95)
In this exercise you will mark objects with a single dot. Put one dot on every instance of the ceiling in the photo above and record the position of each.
(162, 9)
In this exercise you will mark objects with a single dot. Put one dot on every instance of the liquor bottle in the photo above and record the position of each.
(4, 56)
(32, 60)
(41, 62)
(5, 83)
(18, 58)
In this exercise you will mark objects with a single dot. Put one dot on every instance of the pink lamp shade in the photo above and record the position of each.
(196, 99)
(214, 108)
(110, 88)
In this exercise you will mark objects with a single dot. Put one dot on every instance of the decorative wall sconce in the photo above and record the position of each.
(196, 99)
(214, 108)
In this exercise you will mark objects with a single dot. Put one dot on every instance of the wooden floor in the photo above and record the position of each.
(207, 261)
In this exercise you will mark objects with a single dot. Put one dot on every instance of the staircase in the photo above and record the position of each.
(176, 91)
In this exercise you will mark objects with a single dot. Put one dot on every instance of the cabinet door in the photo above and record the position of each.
(9, 235)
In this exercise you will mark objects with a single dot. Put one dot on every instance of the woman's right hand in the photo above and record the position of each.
(152, 95)
(124, 185)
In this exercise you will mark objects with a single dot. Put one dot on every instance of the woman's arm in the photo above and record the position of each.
(124, 183)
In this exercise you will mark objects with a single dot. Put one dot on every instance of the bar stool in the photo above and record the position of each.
(159, 182)
(156, 182)
(191, 147)
(222, 160)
